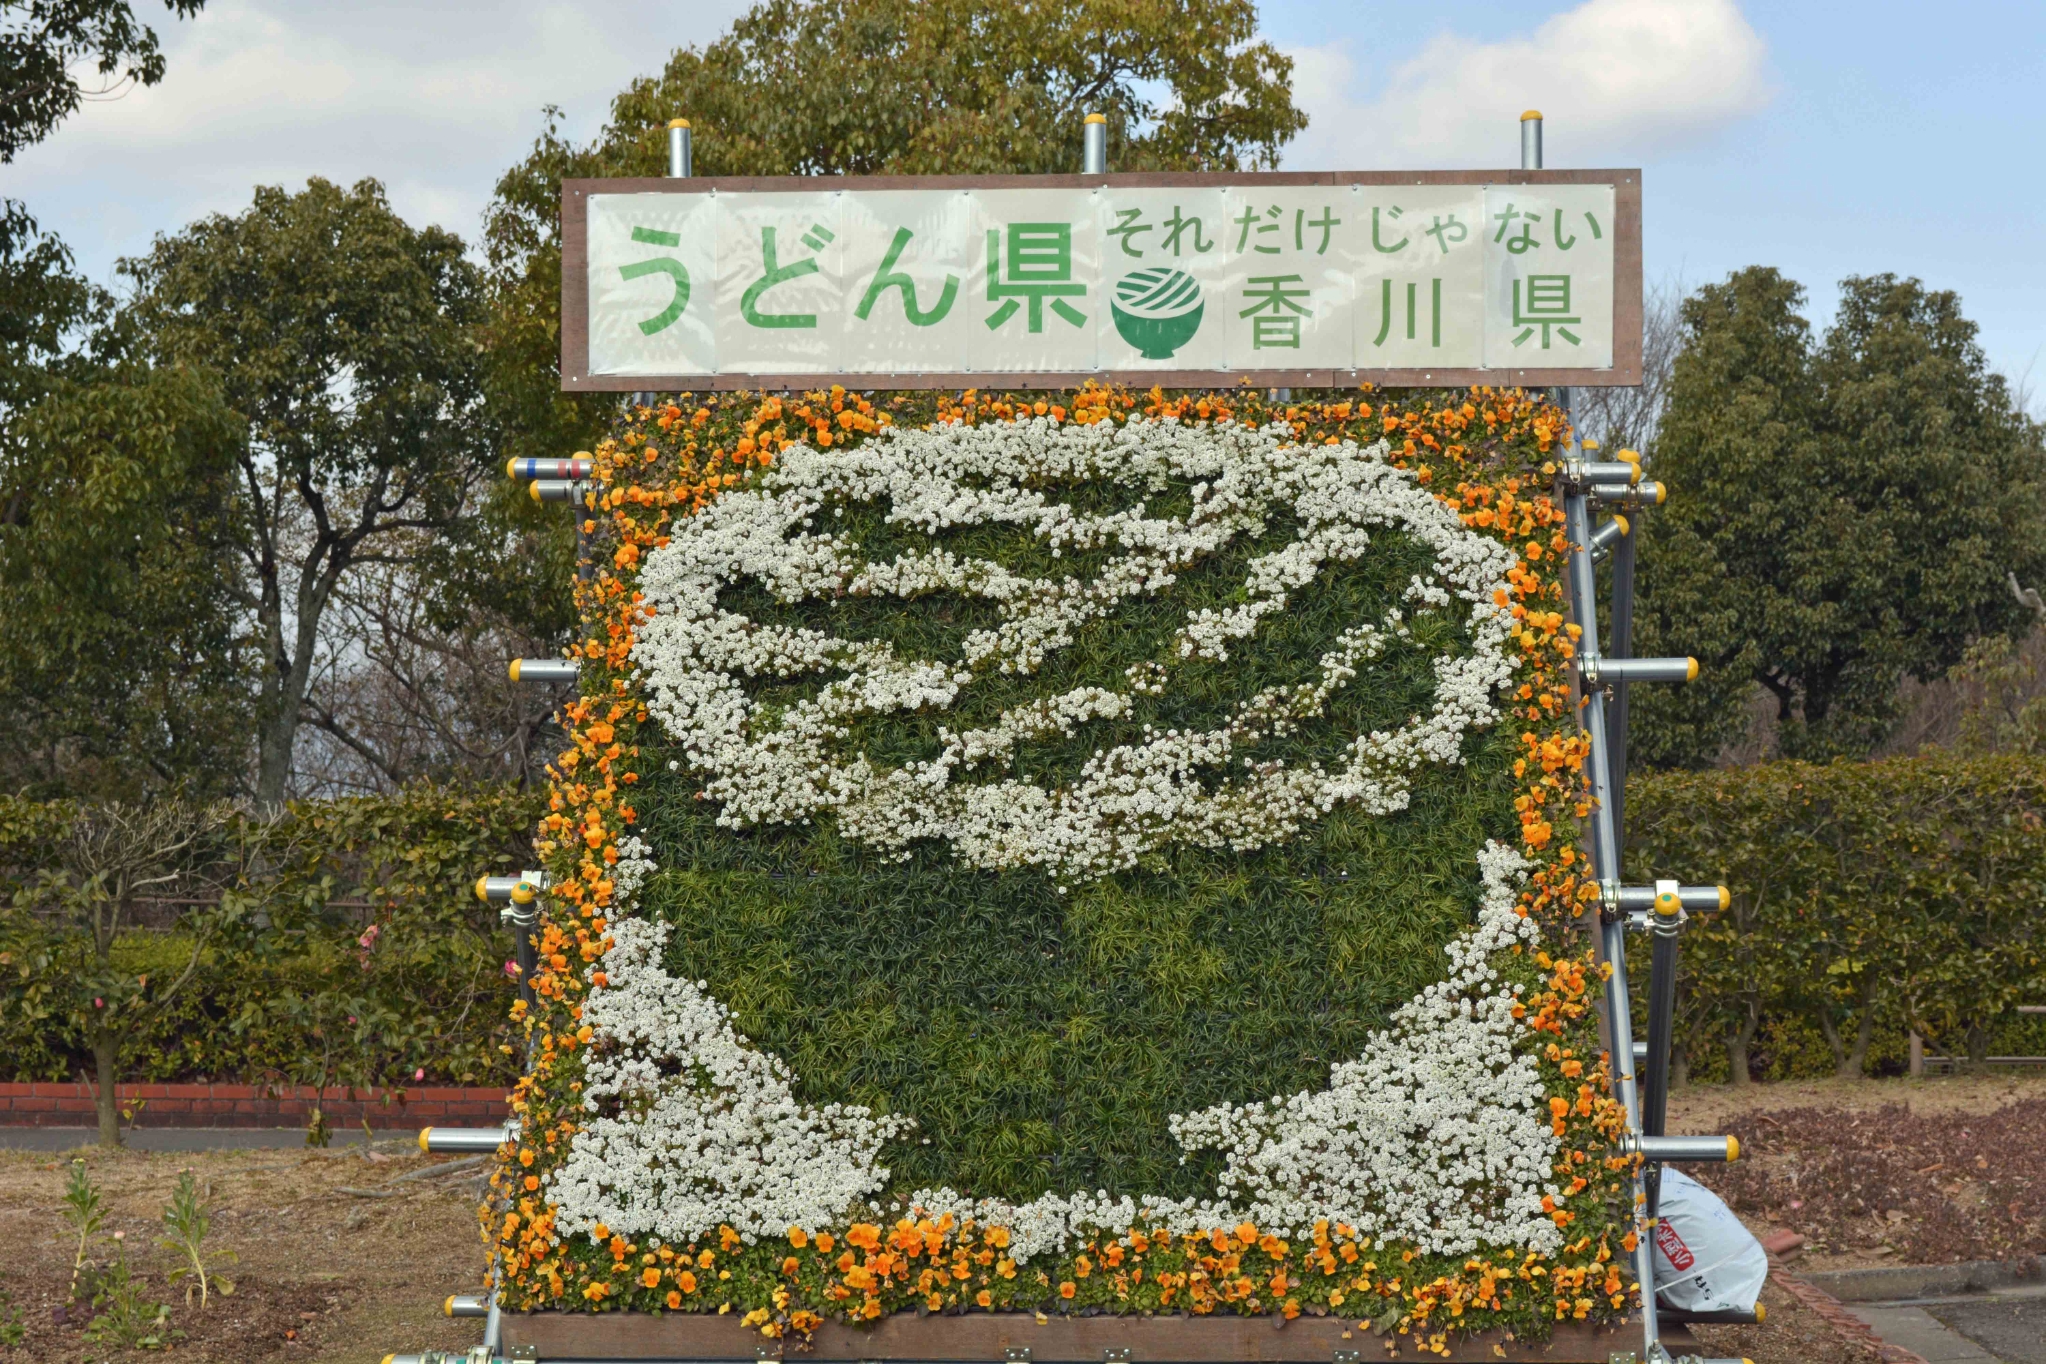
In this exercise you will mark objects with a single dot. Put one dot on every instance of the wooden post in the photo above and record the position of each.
(1917, 1056)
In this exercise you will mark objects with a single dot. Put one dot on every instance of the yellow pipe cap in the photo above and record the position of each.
(533, 490)
(1761, 1314)
(448, 1307)
(515, 668)
(511, 468)
(1690, 673)
(1626, 528)
(1095, 118)
(1590, 444)
(1725, 897)
(678, 123)
(424, 1133)
(483, 889)
(1661, 493)
(1532, 113)
(1733, 1148)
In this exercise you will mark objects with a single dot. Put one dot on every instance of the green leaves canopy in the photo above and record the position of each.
(1843, 514)
(43, 41)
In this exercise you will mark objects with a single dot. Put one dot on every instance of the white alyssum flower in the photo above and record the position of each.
(690, 1127)
(1438, 1135)
(791, 763)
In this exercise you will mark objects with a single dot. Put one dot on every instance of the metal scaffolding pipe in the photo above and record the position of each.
(1685, 1148)
(1094, 145)
(571, 469)
(679, 159)
(1597, 671)
(462, 1141)
(1609, 534)
(554, 489)
(1641, 899)
(1531, 140)
(1646, 494)
(466, 1305)
(545, 669)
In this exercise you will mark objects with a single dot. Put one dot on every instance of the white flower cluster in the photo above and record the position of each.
(690, 1127)
(1437, 1135)
(788, 764)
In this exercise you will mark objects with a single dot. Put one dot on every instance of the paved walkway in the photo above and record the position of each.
(2002, 1326)
(188, 1138)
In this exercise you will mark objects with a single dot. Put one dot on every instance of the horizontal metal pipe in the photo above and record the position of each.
(1686, 1148)
(545, 669)
(548, 468)
(1642, 898)
(1637, 495)
(1598, 671)
(443, 1141)
(1600, 471)
(554, 489)
(522, 889)
(467, 1305)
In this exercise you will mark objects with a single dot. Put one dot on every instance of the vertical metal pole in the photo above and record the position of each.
(1094, 145)
(1531, 140)
(1623, 647)
(678, 149)
(1606, 863)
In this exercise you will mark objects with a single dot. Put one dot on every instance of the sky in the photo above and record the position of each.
(1826, 139)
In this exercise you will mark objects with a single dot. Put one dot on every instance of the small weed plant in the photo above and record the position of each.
(12, 1331)
(122, 1312)
(186, 1220)
(86, 1211)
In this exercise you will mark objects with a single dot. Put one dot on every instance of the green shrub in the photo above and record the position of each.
(1869, 898)
(358, 955)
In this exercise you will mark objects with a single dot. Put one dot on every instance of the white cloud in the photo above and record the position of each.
(435, 99)
(1615, 79)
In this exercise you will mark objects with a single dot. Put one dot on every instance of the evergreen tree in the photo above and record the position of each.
(1842, 514)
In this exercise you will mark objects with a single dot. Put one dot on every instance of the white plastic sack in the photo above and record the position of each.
(1705, 1260)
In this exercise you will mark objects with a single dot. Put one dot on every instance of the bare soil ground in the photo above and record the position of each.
(323, 1275)
(1879, 1172)
(1886, 1171)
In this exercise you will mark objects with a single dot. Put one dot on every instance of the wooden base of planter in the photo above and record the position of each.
(1000, 1337)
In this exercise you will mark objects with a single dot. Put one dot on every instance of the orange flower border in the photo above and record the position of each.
(1486, 454)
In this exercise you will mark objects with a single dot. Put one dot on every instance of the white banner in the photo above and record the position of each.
(1365, 277)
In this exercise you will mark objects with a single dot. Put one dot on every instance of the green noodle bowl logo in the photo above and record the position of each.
(1157, 310)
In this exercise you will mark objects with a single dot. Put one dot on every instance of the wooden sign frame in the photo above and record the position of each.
(1627, 285)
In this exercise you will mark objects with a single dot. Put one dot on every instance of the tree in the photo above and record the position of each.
(872, 87)
(42, 41)
(43, 300)
(109, 859)
(124, 663)
(1843, 516)
(348, 349)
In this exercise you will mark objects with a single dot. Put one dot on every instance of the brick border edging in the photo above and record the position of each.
(72, 1104)
(1844, 1323)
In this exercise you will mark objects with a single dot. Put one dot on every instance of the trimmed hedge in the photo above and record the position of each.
(297, 987)
(1869, 898)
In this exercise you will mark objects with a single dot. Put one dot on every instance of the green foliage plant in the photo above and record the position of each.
(86, 1210)
(1869, 898)
(1846, 512)
(123, 1315)
(186, 1220)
